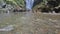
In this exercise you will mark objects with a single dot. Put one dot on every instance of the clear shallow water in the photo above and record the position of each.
(30, 23)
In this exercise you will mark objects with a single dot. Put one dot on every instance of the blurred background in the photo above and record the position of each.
(44, 17)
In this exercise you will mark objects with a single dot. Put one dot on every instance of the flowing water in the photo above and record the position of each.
(30, 23)
(29, 4)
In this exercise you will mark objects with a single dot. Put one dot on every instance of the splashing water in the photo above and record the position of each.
(29, 4)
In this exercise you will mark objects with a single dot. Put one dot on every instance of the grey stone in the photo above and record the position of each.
(8, 28)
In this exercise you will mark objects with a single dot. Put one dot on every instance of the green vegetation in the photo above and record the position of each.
(19, 3)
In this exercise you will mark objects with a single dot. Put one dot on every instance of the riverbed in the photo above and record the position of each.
(30, 23)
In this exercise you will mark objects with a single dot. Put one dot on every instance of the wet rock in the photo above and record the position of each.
(57, 10)
(3, 6)
(20, 10)
(52, 3)
(8, 28)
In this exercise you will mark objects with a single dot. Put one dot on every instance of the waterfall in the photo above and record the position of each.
(29, 4)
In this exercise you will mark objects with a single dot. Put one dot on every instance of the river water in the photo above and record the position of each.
(30, 23)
